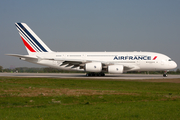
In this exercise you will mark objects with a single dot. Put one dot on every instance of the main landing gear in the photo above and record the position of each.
(95, 74)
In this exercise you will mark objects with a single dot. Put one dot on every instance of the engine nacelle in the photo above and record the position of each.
(116, 69)
(93, 67)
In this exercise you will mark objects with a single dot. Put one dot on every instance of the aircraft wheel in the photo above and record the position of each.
(94, 74)
(88, 74)
(98, 74)
(164, 75)
(102, 74)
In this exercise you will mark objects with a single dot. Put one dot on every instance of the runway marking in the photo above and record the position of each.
(82, 75)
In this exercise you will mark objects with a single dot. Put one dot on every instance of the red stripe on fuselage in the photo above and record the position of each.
(27, 45)
(154, 57)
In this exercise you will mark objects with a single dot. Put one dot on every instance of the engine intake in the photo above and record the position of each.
(116, 69)
(93, 67)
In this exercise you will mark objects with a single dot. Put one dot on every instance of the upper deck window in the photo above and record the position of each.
(58, 55)
(101, 55)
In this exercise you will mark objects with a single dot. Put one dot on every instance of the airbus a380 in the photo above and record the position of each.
(93, 63)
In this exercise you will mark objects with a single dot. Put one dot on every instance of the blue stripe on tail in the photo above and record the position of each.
(34, 39)
(28, 39)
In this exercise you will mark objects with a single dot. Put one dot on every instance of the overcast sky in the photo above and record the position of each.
(94, 25)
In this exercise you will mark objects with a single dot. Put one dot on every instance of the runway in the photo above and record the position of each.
(82, 75)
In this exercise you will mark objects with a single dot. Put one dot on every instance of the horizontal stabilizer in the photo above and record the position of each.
(22, 56)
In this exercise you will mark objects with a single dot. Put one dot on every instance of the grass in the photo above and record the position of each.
(52, 98)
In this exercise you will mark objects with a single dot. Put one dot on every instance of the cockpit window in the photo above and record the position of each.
(169, 60)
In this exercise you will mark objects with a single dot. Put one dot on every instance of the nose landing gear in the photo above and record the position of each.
(165, 74)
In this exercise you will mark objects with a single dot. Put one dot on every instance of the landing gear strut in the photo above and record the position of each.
(95, 74)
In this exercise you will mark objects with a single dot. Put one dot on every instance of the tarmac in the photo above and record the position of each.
(83, 75)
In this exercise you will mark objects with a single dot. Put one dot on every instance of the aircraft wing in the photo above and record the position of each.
(73, 63)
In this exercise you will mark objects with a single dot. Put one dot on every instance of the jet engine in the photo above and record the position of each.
(93, 67)
(115, 69)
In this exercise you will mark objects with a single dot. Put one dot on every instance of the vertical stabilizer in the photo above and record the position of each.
(31, 41)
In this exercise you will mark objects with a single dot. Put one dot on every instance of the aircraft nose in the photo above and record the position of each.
(175, 64)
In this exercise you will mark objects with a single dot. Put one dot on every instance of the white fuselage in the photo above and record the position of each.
(132, 61)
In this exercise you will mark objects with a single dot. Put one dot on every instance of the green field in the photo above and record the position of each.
(88, 99)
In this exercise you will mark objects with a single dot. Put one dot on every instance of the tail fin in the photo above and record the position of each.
(31, 41)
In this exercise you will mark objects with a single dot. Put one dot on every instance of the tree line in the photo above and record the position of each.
(54, 70)
(35, 70)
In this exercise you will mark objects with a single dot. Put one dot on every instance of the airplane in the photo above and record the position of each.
(92, 63)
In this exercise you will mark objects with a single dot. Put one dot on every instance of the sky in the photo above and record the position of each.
(91, 25)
